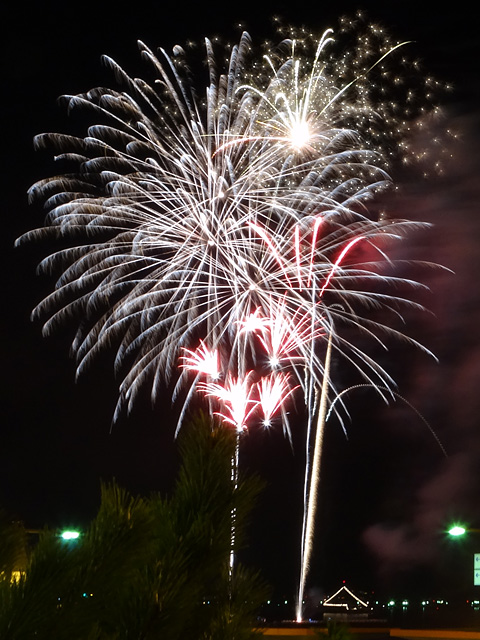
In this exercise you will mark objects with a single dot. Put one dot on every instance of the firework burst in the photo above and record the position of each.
(225, 241)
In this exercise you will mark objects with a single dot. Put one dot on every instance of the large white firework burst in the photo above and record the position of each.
(195, 212)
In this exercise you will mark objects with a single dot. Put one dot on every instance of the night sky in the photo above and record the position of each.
(387, 489)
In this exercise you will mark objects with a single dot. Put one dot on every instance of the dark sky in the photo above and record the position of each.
(387, 491)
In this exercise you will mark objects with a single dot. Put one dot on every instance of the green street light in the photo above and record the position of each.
(457, 530)
(70, 535)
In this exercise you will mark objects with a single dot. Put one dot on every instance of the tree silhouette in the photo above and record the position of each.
(151, 567)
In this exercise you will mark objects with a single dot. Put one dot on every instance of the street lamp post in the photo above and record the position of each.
(458, 531)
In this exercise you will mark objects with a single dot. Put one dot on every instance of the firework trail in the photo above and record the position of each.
(223, 239)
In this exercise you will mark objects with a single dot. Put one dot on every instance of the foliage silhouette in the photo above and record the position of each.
(148, 568)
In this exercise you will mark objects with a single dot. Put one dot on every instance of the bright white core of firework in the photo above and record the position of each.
(300, 134)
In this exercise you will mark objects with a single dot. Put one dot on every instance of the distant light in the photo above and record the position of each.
(69, 535)
(457, 531)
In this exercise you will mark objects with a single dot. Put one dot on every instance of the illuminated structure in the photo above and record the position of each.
(344, 604)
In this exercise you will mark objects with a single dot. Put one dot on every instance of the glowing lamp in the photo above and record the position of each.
(457, 531)
(69, 535)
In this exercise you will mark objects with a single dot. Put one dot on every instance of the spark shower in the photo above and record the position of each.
(221, 237)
